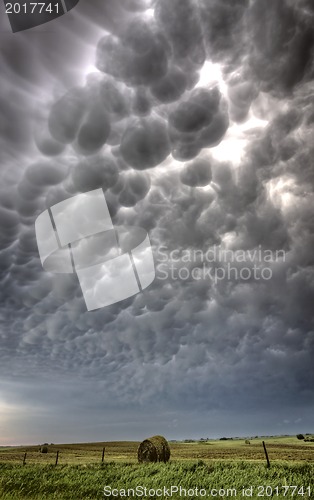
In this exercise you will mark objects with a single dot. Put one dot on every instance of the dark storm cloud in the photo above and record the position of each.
(182, 342)
(13, 120)
(9, 223)
(141, 102)
(45, 173)
(136, 187)
(196, 112)
(145, 143)
(96, 171)
(114, 98)
(181, 22)
(171, 86)
(67, 115)
(138, 57)
(197, 173)
(46, 144)
(223, 26)
(94, 131)
(283, 43)
(200, 120)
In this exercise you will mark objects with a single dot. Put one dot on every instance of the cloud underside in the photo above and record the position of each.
(149, 128)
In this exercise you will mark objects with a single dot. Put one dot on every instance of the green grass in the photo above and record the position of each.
(286, 448)
(71, 482)
(213, 464)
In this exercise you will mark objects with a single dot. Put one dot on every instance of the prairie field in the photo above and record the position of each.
(229, 468)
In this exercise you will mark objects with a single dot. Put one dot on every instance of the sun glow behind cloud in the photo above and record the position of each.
(211, 74)
(232, 147)
(8, 414)
(282, 192)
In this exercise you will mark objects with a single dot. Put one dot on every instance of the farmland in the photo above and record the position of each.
(211, 465)
(279, 449)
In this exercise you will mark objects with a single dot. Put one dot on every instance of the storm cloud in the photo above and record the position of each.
(195, 117)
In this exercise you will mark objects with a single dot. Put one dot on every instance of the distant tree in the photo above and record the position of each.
(300, 436)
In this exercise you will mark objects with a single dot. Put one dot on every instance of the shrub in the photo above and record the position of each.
(43, 449)
(300, 436)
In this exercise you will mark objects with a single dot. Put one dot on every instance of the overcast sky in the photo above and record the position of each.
(196, 119)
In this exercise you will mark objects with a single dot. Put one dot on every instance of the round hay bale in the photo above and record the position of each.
(154, 449)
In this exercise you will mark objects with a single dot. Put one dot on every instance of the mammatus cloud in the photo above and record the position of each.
(179, 90)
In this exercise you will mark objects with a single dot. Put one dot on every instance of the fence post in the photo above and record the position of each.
(103, 455)
(266, 454)
(57, 457)
(24, 459)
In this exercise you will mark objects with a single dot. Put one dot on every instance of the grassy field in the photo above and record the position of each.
(279, 449)
(220, 468)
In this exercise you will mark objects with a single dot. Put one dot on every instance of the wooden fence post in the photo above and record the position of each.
(24, 459)
(57, 457)
(103, 455)
(266, 454)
